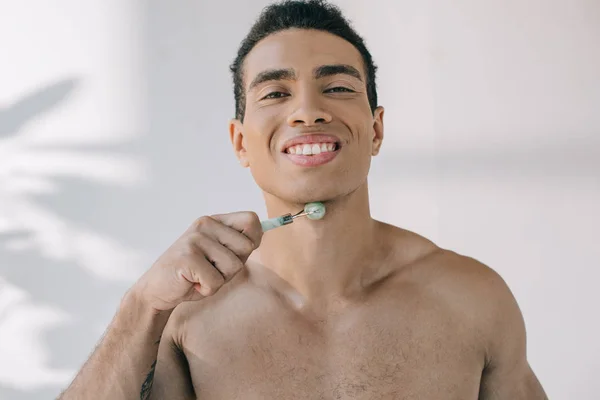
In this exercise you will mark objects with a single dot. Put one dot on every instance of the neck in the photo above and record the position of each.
(324, 258)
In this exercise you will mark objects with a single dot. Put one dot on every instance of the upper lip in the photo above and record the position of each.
(310, 139)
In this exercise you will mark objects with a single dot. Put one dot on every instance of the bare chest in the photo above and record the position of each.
(373, 352)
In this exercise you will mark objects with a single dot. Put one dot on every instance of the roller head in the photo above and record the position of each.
(315, 210)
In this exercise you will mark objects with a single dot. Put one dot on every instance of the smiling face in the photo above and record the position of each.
(308, 132)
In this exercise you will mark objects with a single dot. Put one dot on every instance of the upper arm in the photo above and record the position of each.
(172, 378)
(507, 374)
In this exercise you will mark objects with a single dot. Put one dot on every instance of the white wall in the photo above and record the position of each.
(113, 124)
(72, 89)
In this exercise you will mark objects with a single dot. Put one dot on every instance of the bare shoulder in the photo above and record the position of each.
(487, 300)
(464, 290)
(448, 271)
(471, 292)
(467, 274)
(468, 283)
(480, 304)
(471, 288)
(477, 286)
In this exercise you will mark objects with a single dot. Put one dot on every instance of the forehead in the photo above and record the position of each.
(301, 50)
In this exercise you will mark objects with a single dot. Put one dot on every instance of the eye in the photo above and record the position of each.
(340, 89)
(275, 95)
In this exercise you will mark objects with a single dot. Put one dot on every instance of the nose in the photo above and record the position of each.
(308, 112)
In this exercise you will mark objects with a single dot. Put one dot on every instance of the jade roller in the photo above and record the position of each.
(312, 211)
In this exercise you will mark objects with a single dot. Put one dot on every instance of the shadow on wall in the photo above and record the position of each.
(41, 244)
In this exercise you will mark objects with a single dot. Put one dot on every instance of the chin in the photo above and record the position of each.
(303, 195)
(307, 189)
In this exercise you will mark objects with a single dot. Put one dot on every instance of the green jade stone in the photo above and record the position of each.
(315, 210)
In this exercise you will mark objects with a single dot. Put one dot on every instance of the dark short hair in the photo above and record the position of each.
(311, 14)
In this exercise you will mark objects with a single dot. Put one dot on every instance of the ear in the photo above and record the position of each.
(377, 130)
(236, 136)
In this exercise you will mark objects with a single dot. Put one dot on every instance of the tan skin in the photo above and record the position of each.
(342, 308)
(331, 312)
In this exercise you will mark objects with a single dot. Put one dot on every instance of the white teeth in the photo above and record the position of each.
(311, 149)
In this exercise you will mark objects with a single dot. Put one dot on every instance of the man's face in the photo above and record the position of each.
(306, 89)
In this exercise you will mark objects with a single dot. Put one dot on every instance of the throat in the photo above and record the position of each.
(320, 266)
(329, 257)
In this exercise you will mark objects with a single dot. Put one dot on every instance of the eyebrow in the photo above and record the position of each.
(336, 69)
(318, 73)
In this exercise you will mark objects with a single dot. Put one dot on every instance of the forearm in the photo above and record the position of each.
(122, 366)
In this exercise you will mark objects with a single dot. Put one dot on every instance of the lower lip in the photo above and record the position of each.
(314, 160)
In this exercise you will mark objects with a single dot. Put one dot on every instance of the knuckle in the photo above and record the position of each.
(250, 224)
(236, 265)
(249, 219)
(246, 247)
(252, 216)
(192, 245)
(202, 222)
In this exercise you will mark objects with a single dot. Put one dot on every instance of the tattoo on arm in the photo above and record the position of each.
(147, 385)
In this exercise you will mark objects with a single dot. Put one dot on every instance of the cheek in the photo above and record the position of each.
(357, 116)
(257, 143)
(362, 134)
(255, 150)
(261, 130)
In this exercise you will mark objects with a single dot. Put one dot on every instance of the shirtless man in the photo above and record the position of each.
(346, 307)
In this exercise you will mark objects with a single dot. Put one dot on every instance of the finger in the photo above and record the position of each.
(229, 237)
(223, 259)
(246, 222)
(200, 271)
